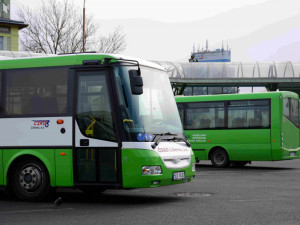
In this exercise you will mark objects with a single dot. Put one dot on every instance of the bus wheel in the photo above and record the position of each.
(219, 158)
(30, 181)
(239, 163)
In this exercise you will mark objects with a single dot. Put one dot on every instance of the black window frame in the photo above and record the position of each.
(226, 108)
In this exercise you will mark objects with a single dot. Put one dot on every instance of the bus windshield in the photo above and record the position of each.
(154, 111)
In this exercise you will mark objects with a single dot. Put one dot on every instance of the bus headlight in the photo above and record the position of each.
(151, 170)
(194, 167)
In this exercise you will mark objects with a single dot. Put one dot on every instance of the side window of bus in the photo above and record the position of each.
(94, 114)
(205, 115)
(286, 107)
(295, 111)
(181, 112)
(249, 114)
(36, 92)
(291, 110)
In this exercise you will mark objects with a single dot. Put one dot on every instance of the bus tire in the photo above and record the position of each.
(239, 163)
(219, 158)
(29, 180)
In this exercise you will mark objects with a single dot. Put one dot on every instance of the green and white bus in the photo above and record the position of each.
(239, 128)
(90, 121)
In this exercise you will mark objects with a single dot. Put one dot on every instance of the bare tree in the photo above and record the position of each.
(56, 27)
(114, 43)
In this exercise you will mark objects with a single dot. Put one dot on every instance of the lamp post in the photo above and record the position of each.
(83, 26)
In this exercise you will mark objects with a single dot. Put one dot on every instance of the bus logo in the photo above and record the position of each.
(150, 137)
(40, 124)
(140, 137)
(146, 137)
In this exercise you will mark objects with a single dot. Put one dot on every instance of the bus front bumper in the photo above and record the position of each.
(291, 153)
(133, 160)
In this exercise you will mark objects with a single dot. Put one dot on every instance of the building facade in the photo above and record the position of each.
(9, 29)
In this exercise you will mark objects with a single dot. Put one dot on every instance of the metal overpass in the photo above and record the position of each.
(229, 76)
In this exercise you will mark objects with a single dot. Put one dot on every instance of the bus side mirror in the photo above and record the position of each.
(136, 82)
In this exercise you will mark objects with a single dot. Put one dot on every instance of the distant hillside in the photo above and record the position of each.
(261, 44)
(245, 28)
(287, 53)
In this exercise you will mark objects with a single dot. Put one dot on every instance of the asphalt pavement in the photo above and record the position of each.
(260, 193)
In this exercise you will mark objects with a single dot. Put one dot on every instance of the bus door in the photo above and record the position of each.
(96, 147)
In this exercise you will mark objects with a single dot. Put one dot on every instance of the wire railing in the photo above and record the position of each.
(211, 70)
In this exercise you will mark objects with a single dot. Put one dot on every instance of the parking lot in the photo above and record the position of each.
(260, 193)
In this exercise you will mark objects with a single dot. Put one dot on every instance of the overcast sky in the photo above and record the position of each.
(255, 29)
(162, 10)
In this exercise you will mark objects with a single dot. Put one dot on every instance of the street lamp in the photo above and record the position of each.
(83, 26)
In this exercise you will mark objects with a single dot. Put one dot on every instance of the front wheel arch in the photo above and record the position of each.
(30, 153)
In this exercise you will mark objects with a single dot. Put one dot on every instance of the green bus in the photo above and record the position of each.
(89, 121)
(239, 128)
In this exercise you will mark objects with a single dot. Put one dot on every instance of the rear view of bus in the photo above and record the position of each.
(289, 127)
(90, 121)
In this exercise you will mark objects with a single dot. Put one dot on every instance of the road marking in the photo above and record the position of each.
(36, 210)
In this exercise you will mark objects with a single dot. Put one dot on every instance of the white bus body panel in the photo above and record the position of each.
(33, 131)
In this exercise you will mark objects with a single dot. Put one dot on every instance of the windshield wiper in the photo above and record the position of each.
(182, 139)
(161, 138)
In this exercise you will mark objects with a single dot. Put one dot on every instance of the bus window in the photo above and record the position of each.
(286, 107)
(291, 110)
(205, 115)
(154, 111)
(36, 92)
(249, 114)
(295, 111)
(181, 112)
(94, 113)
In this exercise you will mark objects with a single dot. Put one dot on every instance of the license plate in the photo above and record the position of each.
(292, 153)
(178, 176)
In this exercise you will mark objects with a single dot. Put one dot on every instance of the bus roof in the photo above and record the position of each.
(245, 96)
(39, 60)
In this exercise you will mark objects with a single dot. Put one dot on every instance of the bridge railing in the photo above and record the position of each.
(217, 70)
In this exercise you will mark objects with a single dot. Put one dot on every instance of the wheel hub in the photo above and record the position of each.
(27, 178)
(219, 158)
(30, 178)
